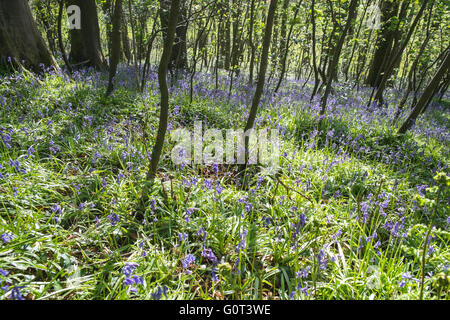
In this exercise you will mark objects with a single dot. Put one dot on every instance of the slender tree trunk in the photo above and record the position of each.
(346, 69)
(285, 50)
(227, 37)
(164, 90)
(331, 72)
(251, 44)
(414, 66)
(115, 45)
(426, 95)
(149, 51)
(20, 39)
(178, 60)
(314, 55)
(444, 88)
(262, 70)
(398, 54)
(60, 40)
(125, 40)
(136, 60)
(46, 20)
(195, 57)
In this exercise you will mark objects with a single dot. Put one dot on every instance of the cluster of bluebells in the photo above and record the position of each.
(247, 205)
(113, 218)
(157, 295)
(132, 281)
(243, 241)
(301, 275)
(57, 211)
(393, 222)
(407, 278)
(15, 293)
(188, 214)
(6, 237)
(187, 262)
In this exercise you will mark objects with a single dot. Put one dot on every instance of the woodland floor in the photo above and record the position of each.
(73, 163)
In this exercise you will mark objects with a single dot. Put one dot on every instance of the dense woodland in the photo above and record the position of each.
(93, 207)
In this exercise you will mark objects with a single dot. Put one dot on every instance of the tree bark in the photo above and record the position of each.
(178, 59)
(331, 72)
(85, 43)
(60, 39)
(162, 79)
(20, 40)
(412, 70)
(426, 95)
(115, 45)
(384, 43)
(262, 70)
(285, 49)
(314, 55)
(398, 54)
(251, 44)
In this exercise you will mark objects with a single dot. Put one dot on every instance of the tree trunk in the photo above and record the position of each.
(60, 39)
(331, 72)
(115, 45)
(398, 54)
(426, 95)
(178, 59)
(163, 88)
(414, 66)
(45, 16)
(383, 46)
(285, 49)
(251, 44)
(85, 43)
(126, 48)
(262, 71)
(20, 41)
(347, 67)
(314, 55)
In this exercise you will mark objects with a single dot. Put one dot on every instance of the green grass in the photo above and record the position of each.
(91, 160)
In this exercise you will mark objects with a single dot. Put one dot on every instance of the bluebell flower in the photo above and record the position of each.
(56, 209)
(129, 268)
(152, 204)
(30, 151)
(214, 274)
(159, 292)
(188, 214)
(182, 236)
(114, 218)
(321, 257)
(6, 237)
(209, 254)
(15, 293)
(219, 188)
(242, 243)
(302, 220)
(188, 261)
(201, 232)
